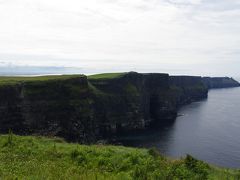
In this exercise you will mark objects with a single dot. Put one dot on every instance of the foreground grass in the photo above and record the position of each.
(42, 158)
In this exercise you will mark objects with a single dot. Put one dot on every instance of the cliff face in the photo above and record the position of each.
(52, 107)
(131, 101)
(220, 82)
(86, 109)
(188, 89)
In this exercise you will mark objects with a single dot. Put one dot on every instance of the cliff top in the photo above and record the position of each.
(6, 80)
(106, 75)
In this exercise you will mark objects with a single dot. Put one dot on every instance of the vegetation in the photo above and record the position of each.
(19, 79)
(106, 76)
(41, 158)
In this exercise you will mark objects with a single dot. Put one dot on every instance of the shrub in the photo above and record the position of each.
(196, 166)
(154, 152)
(9, 141)
(74, 154)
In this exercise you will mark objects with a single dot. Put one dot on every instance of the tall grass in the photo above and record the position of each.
(41, 158)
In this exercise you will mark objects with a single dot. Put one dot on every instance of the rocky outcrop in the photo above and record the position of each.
(86, 109)
(220, 82)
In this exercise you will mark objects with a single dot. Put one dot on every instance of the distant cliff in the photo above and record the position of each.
(191, 88)
(85, 109)
(220, 82)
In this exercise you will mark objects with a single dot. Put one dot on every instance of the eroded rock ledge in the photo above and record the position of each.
(85, 109)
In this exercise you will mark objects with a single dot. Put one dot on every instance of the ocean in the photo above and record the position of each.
(209, 130)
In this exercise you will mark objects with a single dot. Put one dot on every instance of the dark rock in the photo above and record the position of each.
(188, 89)
(220, 82)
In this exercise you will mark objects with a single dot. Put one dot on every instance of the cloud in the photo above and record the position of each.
(143, 33)
(185, 2)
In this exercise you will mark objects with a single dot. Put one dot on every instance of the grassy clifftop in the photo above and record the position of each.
(9, 80)
(106, 76)
(41, 158)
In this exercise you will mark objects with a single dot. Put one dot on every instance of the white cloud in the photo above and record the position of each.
(185, 2)
(182, 34)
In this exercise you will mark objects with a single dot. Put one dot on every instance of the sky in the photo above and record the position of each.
(194, 37)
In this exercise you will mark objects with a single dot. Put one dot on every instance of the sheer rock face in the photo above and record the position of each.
(54, 107)
(220, 82)
(188, 89)
(85, 110)
(131, 101)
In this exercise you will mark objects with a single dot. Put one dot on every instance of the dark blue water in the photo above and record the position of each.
(209, 130)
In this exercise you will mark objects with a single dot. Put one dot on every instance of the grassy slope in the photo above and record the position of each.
(42, 158)
(19, 79)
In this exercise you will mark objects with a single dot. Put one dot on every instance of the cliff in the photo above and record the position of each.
(85, 109)
(131, 100)
(188, 89)
(220, 82)
(57, 106)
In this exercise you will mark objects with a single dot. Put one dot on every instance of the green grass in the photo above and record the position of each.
(106, 76)
(42, 158)
(5, 80)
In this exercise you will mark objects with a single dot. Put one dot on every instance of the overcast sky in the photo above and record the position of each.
(200, 37)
